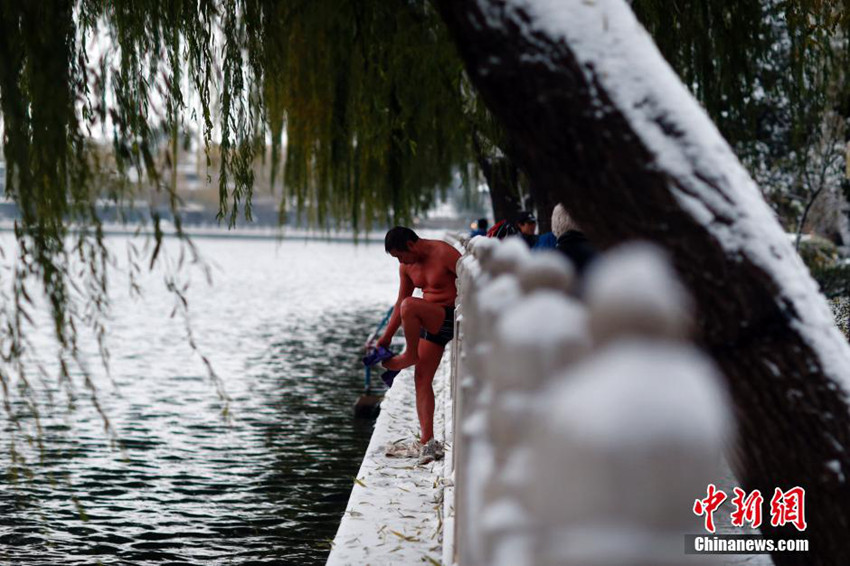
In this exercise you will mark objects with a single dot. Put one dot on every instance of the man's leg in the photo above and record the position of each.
(423, 377)
(416, 314)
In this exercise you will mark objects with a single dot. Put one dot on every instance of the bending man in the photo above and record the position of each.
(428, 322)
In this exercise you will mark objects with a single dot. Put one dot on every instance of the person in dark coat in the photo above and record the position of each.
(571, 240)
(526, 224)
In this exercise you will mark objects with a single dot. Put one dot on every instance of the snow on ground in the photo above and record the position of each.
(396, 511)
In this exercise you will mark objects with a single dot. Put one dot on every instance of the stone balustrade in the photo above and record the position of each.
(585, 421)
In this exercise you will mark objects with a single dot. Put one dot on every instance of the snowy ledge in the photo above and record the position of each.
(396, 511)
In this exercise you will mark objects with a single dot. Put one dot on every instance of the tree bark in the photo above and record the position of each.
(502, 178)
(544, 203)
(599, 121)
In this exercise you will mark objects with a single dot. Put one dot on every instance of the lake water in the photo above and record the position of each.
(281, 325)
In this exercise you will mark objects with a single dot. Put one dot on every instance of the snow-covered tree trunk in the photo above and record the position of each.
(501, 175)
(598, 119)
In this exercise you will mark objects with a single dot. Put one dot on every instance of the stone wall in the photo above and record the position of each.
(586, 422)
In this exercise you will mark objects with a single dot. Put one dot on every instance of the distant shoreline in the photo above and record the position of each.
(214, 232)
(258, 233)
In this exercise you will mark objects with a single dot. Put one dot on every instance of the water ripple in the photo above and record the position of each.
(282, 326)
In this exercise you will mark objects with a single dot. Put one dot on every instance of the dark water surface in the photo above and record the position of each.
(281, 326)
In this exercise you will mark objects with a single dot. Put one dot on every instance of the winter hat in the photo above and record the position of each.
(524, 216)
(562, 222)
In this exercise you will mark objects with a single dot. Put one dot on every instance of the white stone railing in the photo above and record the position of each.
(584, 428)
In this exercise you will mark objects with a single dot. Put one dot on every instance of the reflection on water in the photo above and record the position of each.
(282, 326)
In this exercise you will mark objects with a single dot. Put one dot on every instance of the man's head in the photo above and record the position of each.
(526, 222)
(399, 243)
(481, 224)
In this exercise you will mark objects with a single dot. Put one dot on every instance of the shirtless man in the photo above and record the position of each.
(428, 322)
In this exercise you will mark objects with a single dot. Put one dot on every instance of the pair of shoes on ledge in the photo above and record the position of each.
(433, 450)
(400, 449)
(430, 452)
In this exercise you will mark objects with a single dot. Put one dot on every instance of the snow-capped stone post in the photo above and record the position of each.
(488, 286)
(534, 337)
(597, 119)
(627, 438)
(550, 430)
(541, 334)
(463, 381)
(468, 271)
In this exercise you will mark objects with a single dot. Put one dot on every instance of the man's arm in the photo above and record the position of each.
(453, 256)
(405, 289)
(450, 258)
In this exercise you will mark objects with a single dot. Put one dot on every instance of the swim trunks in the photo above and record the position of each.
(446, 331)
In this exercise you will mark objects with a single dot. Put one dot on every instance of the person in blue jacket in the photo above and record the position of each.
(526, 223)
(480, 228)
